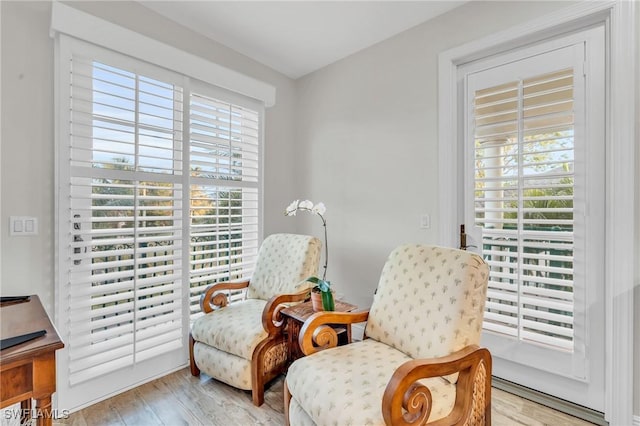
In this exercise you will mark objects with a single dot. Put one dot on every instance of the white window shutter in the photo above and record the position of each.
(224, 153)
(124, 217)
(164, 190)
(524, 186)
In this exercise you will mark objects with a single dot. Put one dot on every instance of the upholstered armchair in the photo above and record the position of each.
(419, 362)
(242, 343)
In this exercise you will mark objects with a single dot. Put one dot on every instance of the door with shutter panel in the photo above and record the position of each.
(121, 224)
(534, 209)
(159, 194)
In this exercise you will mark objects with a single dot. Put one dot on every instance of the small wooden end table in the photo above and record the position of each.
(296, 315)
(28, 370)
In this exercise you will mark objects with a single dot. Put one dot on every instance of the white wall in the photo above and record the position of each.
(367, 142)
(27, 150)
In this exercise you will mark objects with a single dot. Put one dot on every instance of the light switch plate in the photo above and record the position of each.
(23, 226)
(425, 221)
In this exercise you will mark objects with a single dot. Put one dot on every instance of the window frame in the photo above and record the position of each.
(619, 19)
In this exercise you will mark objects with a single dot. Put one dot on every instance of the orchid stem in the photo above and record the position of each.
(324, 224)
(326, 247)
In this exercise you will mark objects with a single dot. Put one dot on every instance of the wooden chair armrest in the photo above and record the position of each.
(212, 298)
(317, 335)
(406, 402)
(272, 319)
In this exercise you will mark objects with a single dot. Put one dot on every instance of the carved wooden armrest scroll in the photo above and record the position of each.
(214, 297)
(316, 334)
(272, 319)
(407, 402)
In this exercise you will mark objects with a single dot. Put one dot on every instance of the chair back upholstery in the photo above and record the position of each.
(284, 261)
(430, 301)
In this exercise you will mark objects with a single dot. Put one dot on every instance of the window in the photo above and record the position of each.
(524, 189)
(160, 195)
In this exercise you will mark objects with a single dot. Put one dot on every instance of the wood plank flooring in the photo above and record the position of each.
(181, 399)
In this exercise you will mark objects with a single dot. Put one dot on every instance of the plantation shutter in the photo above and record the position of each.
(125, 219)
(130, 195)
(524, 193)
(224, 153)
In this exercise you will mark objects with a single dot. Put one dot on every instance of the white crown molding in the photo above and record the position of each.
(78, 24)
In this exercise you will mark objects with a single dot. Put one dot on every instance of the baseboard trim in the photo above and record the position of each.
(119, 391)
(558, 404)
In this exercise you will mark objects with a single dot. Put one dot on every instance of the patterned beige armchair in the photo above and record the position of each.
(419, 362)
(242, 343)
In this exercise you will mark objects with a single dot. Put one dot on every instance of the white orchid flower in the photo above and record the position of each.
(319, 209)
(306, 204)
(292, 208)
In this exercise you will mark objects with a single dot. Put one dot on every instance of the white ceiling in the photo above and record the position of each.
(298, 37)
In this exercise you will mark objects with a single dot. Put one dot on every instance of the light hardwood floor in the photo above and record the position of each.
(181, 399)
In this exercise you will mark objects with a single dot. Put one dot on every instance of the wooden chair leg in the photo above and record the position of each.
(195, 371)
(287, 401)
(258, 396)
(257, 379)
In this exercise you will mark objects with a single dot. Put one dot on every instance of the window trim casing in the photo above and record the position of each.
(618, 17)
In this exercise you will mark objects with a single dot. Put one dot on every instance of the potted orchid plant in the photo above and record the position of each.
(322, 286)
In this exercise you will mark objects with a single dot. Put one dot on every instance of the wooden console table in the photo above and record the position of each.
(296, 315)
(28, 370)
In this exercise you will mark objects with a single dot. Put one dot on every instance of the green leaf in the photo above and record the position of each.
(323, 285)
(314, 280)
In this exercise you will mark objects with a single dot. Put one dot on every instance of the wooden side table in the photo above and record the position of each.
(28, 370)
(296, 315)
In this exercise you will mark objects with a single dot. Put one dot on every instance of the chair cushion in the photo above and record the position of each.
(430, 301)
(284, 261)
(345, 385)
(228, 368)
(297, 416)
(236, 328)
